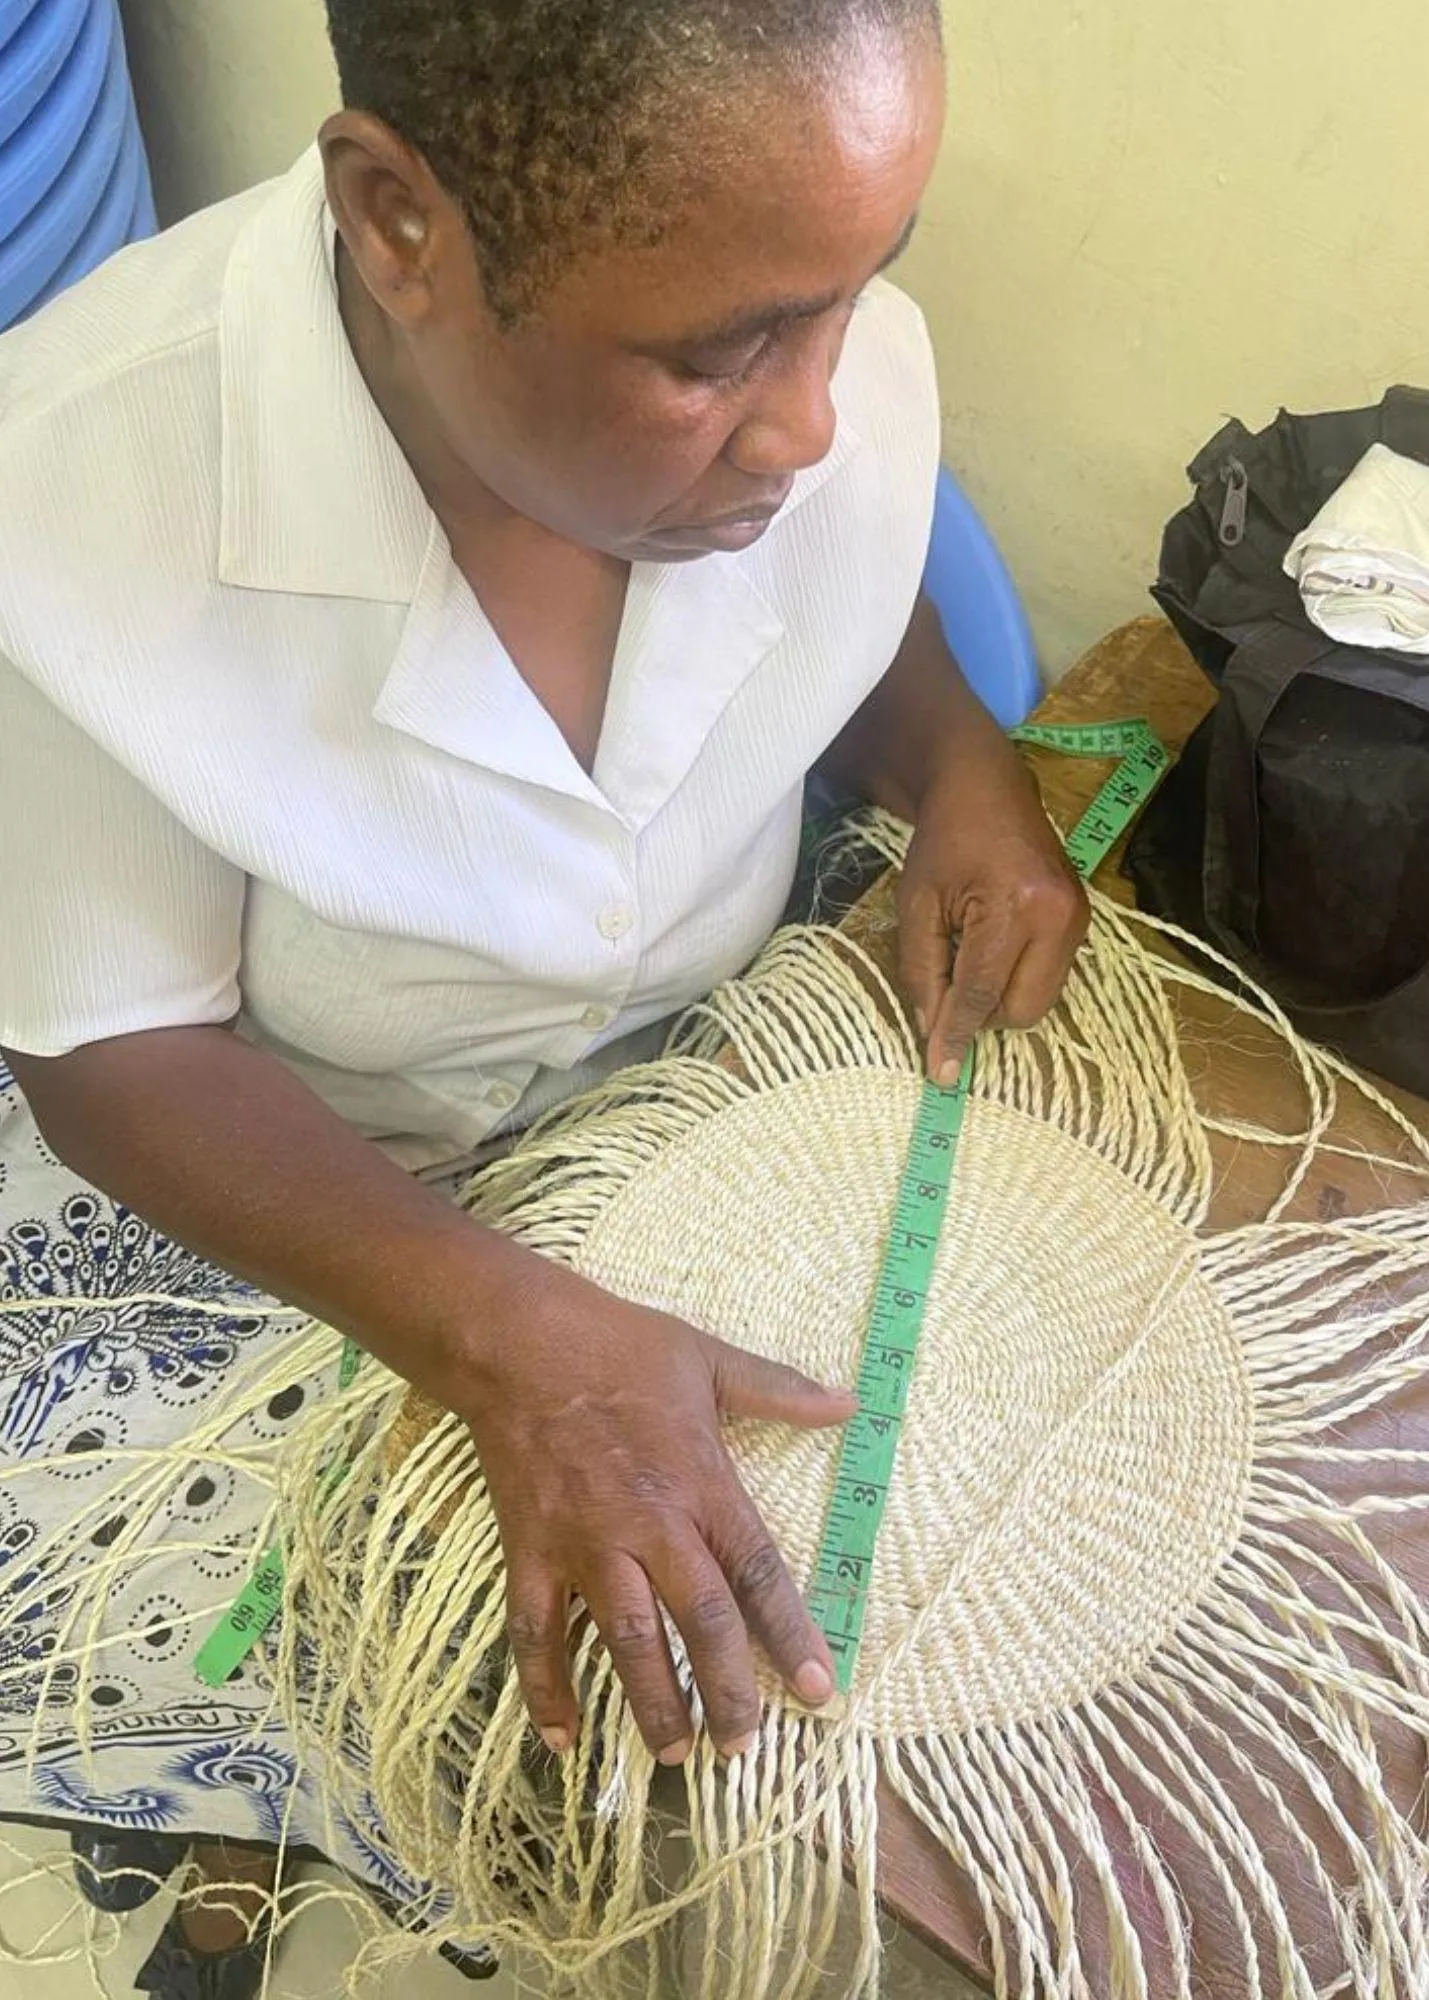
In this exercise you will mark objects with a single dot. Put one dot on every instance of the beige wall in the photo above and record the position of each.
(230, 91)
(1149, 214)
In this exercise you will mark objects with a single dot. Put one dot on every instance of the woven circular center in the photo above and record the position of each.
(1079, 1434)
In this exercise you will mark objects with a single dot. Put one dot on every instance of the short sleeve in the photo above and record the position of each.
(113, 917)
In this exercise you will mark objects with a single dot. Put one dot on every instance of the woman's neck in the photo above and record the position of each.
(556, 607)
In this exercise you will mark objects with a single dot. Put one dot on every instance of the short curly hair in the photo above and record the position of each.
(544, 117)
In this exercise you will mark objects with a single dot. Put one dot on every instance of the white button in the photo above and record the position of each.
(595, 1018)
(502, 1096)
(614, 922)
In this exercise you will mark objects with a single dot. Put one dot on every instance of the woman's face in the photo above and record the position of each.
(658, 402)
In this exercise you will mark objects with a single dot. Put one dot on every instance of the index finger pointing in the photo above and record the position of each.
(981, 970)
(925, 951)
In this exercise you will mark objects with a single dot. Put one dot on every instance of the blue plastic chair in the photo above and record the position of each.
(74, 182)
(982, 616)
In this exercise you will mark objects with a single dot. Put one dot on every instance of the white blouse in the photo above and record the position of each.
(261, 752)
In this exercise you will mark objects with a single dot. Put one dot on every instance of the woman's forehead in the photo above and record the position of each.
(777, 218)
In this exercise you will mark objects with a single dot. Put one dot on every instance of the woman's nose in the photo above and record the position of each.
(791, 422)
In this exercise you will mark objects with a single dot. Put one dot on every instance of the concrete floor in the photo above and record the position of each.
(315, 1951)
(43, 1952)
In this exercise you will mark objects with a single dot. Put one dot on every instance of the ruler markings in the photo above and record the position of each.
(843, 1570)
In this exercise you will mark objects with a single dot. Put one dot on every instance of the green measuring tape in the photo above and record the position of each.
(1143, 761)
(839, 1596)
(261, 1598)
(843, 1571)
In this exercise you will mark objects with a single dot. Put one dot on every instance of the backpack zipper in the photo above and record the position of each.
(1237, 502)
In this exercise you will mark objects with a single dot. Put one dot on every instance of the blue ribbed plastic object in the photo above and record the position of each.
(983, 620)
(74, 182)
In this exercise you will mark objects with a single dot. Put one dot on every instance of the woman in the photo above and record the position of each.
(425, 585)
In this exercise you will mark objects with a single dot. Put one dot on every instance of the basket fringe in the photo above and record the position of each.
(390, 1665)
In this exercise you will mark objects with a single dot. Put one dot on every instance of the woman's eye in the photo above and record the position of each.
(728, 370)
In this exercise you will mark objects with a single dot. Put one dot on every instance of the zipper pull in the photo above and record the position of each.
(1237, 503)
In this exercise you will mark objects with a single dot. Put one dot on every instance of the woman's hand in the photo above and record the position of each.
(990, 911)
(598, 1425)
(986, 876)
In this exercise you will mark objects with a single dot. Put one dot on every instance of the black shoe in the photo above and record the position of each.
(478, 1964)
(118, 1871)
(175, 1971)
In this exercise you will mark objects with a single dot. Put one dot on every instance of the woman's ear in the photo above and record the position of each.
(390, 211)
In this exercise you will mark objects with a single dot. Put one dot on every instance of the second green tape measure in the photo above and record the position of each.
(261, 1598)
(843, 1571)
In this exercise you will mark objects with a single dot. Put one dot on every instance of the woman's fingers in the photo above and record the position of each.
(613, 1486)
(721, 1589)
(703, 1607)
(987, 953)
(769, 1601)
(925, 951)
(717, 1592)
(622, 1601)
(746, 1385)
(1037, 979)
(536, 1606)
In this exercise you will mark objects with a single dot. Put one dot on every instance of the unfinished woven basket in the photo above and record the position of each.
(1125, 1610)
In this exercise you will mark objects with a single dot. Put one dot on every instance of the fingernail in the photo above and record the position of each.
(557, 1741)
(920, 1022)
(814, 1684)
(741, 1746)
(947, 1073)
(674, 1753)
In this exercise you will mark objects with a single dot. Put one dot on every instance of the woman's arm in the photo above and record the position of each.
(991, 913)
(221, 1147)
(921, 723)
(598, 1422)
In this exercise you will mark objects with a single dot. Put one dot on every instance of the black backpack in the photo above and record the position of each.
(1294, 832)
